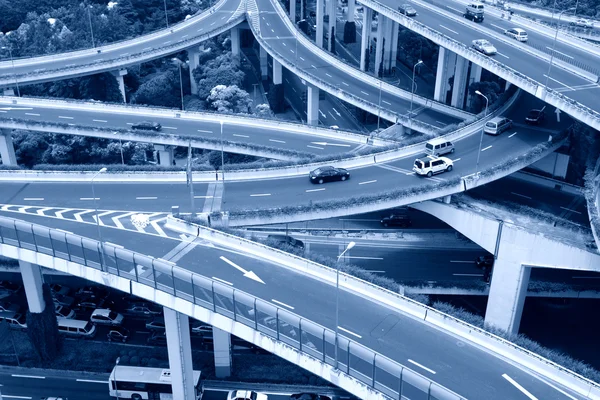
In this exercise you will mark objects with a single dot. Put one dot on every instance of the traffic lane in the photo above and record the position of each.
(204, 24)
(578, 279)
(287, 287)
(123, 119)
(35, 386)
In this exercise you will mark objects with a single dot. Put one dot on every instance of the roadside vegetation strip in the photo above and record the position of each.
(592, 195)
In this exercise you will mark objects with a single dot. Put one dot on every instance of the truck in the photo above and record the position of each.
(474, 12)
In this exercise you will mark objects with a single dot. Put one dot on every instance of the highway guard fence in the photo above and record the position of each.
(372, 369)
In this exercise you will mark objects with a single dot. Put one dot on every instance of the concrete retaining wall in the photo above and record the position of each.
(377, 294)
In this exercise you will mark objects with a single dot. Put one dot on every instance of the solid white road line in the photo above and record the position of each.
(350, 332)
(33, 199)
(27, 376)
(237, 135)
(34, 114)
(512, 134)
(445, 27)
(365, 258)
(421, 366)
(558, 52)
(203, 131)
(222, 280)
(463, 262)
(260, 195)
(367, 182)
(487, 148)
(99, 120)
(314, 147)
(276, 141)
(314, 190)
(89, 198)
(521, 195)
(146, 198)
(467, 274)
(386, 102)
(60, 116)
(90, 381)
(7, 396)
(500, 54)
(521, 388)
(282, 304)
(559, 82)
(570, 210)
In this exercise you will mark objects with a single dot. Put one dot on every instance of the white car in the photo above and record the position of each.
(246, 395)
(484, 46)
(517, 34)
(430, 165)
(583, 23)
(104, 316)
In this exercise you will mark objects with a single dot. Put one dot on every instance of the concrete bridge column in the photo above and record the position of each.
(460, 82)
(235, 41)
(7, 149)
(180, 354)
(394, 49)
(351, 10)
(293, 10)
(119, 74)
(382, 44)
(389, 44)
(32, 282)
(277, 73)
(365, 44)
(445, 69)
(264, 72)
(331, 11)
(474, 76)
(320, 9)
(312, 100)
(165, 154)
(507, 295)
(193, 62)
(222, 346)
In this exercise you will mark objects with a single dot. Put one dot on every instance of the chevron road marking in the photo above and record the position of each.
(59, 214)
(41, 211)
(99, 217)
(24, 209)
(157, 227)
(79, 214)
(118, 223)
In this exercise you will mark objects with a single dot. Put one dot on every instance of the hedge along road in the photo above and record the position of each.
(285, 191)
(460, 366)
(282, 138)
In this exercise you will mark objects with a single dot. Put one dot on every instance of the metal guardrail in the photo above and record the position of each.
(355, 360)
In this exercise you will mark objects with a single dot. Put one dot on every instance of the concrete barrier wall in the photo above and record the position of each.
(548, 182)
(400, 303)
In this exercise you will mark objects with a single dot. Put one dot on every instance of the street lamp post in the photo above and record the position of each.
(379, 107)
(12, 61)
(554, 42)
(412, 87)
(166, 15)
(91, 28)
(116, 364)
(121, 148)
(98, 219)
(222, 155)
(481, 138)
(190, 178)
(337, 300)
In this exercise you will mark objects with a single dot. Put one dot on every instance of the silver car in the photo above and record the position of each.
(484, 47)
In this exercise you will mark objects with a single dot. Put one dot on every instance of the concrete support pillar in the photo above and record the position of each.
(119, 74)
(474, 76)
(293, 10)
(331, 11)
(277, 73)
(381, 46)
(365, 44)
(389, 44)
(7, 149)
(507, 295)
(394, 55)
(507, 85)
(460, 82)
(302, 16)
(264, 72)
(351, 10)
(165, 154)
(193, 62)
(180, 354)
(222, 345)
(32, 282)
(445, 69)
(447, 199)
(235, 41)
(312, 99)
(320, 9)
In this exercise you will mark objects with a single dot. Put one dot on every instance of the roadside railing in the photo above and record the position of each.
(313, 340)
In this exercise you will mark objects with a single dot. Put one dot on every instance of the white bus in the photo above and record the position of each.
(145, 383)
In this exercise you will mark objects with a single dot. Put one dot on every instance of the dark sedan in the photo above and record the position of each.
(535, 117)
(407, 10)
(328, 174)
(398, 220)
(147, 126)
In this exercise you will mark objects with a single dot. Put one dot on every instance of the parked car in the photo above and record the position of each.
(142, 310)
(535, 117)
(309, 396)
(156, 324)
(201, 329)
(10, 286)
(484, 47)
(407, 10)
(484, 261)
(117, 334)
(246, 395)
(147, 126)
(398, 220)
(104, 316)
(328, 174)
(287, 240)
(5, 306)
(14, 320)
(63, 312)
(517, 34)
(430, 165)
(93, 291)
(158, 339)
(61, 300)
(60, 289)
(91, 303)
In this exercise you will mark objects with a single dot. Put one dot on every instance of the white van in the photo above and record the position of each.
(497, 125)
(439, 147)
(517, 34)
(14, 320)
(76, 327)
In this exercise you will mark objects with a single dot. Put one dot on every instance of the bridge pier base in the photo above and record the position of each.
(320, 9)
(235, 41)
(32, 282)
(7, 149)
(180, 354)
(312, 100)
(507, 295)
(222, 350)
(165, 154)
(119, 74)
(365, 44)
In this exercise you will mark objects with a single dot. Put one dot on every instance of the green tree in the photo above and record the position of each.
(102, 87)
(222, 70)
(229, 99)
(489, 89)
(42, 329)
(161, 90)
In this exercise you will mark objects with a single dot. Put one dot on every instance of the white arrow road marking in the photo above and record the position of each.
(336, 111)
(557, 112)
(78, 215)
(118, 223)
(247, 274)
(322, 115)
(331, 144)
